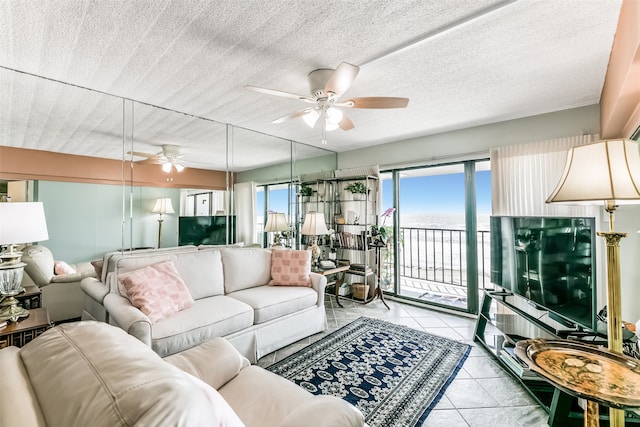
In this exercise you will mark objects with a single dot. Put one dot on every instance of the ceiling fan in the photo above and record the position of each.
(169, 158)
(327, 87)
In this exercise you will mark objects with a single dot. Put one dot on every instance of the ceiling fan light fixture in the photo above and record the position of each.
(178, 167)
(329, 125)
(166, 167)
(311, 118)
(334, 115)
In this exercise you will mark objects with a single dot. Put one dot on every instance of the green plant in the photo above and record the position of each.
(306, 190)
(357, 187)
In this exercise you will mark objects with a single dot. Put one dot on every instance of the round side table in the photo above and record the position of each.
(593, 373)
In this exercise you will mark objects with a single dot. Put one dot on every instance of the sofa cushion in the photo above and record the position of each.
(226, 416)
(290, 268)
(262, 406)
(207, 318)
(245, 268)
(157, 290)
(270, 302)
(202, 272)
(79, 380)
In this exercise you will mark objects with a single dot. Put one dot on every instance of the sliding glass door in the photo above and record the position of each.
(439, 253)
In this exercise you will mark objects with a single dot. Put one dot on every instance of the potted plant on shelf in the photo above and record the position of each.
(306, 191)
(357, 189)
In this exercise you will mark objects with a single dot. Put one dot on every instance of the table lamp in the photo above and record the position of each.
(606, 171)
(22, 222)
(162, 206)
(276, 223)
(314, 225)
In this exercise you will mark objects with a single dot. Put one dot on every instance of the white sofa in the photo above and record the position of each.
(93, 374)
(232, 300)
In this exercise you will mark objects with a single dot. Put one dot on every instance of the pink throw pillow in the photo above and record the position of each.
(157, 290)
(290, 268)
(61, 267)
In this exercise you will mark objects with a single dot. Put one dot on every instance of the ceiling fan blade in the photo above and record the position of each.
(292, 115)
(374, 102)
(150, 161)
(139, 154)
(346, 123)
(279, 93)
(341, 79)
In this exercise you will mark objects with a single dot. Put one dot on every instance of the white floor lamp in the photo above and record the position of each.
(162, 206)
(606, 171)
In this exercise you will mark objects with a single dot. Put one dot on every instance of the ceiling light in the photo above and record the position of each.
(334, 115)
(330, 125)
(166, 167)
(311, 118)
(178, 167)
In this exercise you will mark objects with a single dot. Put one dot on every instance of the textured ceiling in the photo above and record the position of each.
(462, 63)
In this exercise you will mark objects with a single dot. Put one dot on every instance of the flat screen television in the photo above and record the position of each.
(549, 261)
(206, 230)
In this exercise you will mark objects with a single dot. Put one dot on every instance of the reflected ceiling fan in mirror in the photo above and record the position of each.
(169, 158)
(327, 87)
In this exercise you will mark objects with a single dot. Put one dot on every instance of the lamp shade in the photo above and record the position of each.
(163, 206)
(603, 171)
(22, 222)
(314, 224)
(276, 221)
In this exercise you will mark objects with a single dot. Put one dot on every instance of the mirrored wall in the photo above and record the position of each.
(101, 164)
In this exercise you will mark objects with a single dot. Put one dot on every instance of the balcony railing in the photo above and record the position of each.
(439, 255)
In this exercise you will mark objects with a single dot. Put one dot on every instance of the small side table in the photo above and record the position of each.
(340, 272)
(25, 330)
(30, 298)
(592, 373)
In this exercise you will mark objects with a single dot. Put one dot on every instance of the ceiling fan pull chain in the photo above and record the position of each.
(324, 127)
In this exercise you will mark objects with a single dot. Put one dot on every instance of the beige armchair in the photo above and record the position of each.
(61, 293)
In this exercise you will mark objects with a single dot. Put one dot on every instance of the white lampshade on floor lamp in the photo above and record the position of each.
(606, 171)
(22, 222)
(162, 206)
(314, 225)
(276, 223)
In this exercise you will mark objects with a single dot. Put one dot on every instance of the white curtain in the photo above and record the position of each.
(524, 175)
(245, 208)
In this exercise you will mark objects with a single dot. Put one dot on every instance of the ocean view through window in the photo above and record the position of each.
(432, 224)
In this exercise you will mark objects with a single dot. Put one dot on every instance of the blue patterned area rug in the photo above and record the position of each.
(394, 374)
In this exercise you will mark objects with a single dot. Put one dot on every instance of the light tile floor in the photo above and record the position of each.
(483, 394)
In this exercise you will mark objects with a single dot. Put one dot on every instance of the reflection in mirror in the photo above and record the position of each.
(258, 159)
(179, 157)
(57, 135)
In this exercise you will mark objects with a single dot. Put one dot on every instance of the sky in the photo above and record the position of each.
(438, 194)
(435, 194)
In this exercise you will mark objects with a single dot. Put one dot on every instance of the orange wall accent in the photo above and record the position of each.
(620, 99)
(19, 163)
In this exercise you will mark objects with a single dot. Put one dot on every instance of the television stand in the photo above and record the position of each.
(501, 324)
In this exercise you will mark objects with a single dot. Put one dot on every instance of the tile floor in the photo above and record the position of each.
(483, 394)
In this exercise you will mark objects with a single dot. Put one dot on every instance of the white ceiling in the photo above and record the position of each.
(462, 63)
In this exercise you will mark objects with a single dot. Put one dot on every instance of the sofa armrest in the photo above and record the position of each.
(318, 283)
(94, 288)
(215, 362)
(128, 317)
(67, 278)
(325, 411)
